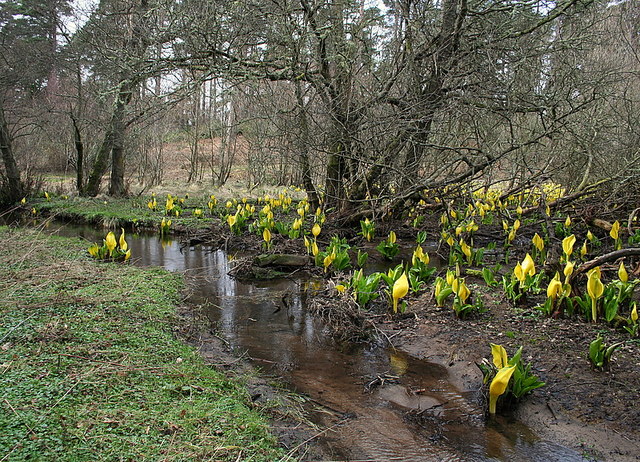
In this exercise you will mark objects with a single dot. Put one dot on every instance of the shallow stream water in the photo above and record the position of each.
(415, 414)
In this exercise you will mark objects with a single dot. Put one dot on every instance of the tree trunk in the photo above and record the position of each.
(77, 141)
(114, 133)
(14, 190)
(116, 184)
(335, 192)
(303, 148)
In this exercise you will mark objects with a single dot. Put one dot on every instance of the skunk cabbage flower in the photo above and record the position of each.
(595, 288)
(567, 244)
(463, 292)
(110, 241)
(622, 273)
(538, 242)
(499, 386)
(555, 287)
(123, 243)
(528, 266)
(400, 289)
(615, 230)
(499, 354)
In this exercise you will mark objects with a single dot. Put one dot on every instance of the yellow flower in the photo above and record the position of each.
(634, 313)
(315, 230)
(400, 289)
(341, 288)
(615, 230)
(266, 235)
(465, 248)
(455, 285)
(23, 200)
(127, 255)
(110, 241)
(499, 355)
(419, 255)
(450, 278)
(438, 287)
(327, 261)
(590, 236)
(568, 269)
(528, 266)
(123, 243)
(538, 242)
(463, 292)
(583, 249)
(499, 386)
(314, 248)
(555, 287)
(595, 288)
(519, 273)
(451, 241)
(519, 210)
(93, 250)
(516, 225)
(567, 244)
(231, 220)
(458, 230)
(567, 222)
(622, 273)
(392, 237)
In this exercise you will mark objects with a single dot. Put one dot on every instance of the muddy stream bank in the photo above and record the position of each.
(381, 404)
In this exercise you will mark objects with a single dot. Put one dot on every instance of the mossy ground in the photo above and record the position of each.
(90, 367)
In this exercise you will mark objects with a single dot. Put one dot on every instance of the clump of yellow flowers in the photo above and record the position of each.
(111, 248)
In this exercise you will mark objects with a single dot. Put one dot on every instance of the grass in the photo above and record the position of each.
(90, 367)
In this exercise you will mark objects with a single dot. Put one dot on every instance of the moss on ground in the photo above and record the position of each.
(90, 368)
(113, 213)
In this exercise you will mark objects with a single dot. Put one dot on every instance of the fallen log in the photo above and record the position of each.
(606, 258)
(282, 260)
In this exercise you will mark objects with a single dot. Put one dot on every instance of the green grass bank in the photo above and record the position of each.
(90, 367)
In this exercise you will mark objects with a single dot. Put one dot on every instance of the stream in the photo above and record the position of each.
(414, 414)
